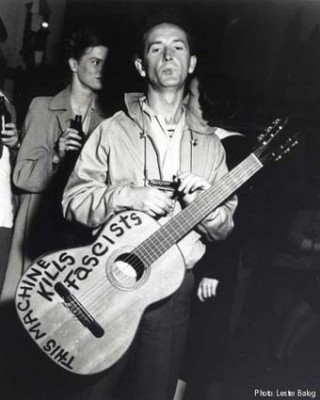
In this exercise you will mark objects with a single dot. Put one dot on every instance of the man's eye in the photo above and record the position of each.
(155, 49)
(179, 48)
(96, 62)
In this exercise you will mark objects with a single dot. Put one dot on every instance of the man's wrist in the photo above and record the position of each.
(124, 196)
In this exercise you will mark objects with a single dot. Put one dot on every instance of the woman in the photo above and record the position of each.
(45, 158)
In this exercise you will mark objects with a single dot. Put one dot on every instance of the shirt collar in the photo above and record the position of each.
(151, 114)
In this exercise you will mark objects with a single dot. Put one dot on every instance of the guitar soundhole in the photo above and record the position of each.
(126, 271)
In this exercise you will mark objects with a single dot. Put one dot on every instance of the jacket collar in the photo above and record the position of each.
(61, 103)
(197, 125)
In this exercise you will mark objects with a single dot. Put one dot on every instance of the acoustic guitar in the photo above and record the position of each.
(82, 306)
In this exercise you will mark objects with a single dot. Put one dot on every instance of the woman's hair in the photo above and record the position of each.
(80, 40)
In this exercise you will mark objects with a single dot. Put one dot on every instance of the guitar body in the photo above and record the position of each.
(82, 306)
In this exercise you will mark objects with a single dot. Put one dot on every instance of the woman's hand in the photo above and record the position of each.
(69, 140)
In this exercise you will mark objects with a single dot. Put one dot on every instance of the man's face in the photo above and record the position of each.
(167, 59)
(89, 68)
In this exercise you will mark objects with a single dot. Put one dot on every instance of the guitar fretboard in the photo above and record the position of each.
(182, 223)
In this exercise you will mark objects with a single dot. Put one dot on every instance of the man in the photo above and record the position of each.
(156, 139)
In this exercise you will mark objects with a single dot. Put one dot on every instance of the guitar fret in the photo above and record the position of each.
(147, 253)
(175, 229)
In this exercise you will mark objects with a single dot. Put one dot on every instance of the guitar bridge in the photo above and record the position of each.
(73, 304)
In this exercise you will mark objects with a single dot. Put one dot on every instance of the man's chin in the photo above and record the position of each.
(172, 81)
(96, 88)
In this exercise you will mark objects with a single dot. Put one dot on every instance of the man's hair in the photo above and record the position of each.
(163, 17)
(81, 40)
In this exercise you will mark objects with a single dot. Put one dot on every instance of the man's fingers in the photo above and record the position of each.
(154, 211)
(184, 182)
(150, 200)
(190, 183)
(207, 288)
(159, 205)
(199, 294)
(160, 199)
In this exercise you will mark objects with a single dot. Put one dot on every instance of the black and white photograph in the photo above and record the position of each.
(159, 199)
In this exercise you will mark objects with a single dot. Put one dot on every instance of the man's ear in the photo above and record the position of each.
(140, 68)
(73, 64)
(192, 64)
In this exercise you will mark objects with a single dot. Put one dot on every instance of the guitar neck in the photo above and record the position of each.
(182, 223)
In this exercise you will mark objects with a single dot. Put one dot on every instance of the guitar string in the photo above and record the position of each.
(131, 259)
(146, 244)
(137, 256)
(151, 248)
(148, 250)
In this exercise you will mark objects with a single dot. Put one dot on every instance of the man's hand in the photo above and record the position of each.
(150, 200)
(190, 186)
(69, 140)
(207, 288)
(10, 136)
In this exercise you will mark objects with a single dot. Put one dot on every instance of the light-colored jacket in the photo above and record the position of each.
(114, 158)
(33, 174)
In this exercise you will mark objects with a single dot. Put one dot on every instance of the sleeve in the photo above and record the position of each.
(88, 198)
(34, 168)
(219, 224)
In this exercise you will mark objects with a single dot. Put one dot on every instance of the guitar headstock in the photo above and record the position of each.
(275, 142)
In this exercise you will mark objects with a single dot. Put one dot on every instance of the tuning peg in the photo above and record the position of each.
(285, 149)
(272, 130)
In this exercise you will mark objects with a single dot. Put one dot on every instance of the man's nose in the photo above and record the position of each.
(167, 55)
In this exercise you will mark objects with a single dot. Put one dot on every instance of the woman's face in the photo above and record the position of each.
(88, 70)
